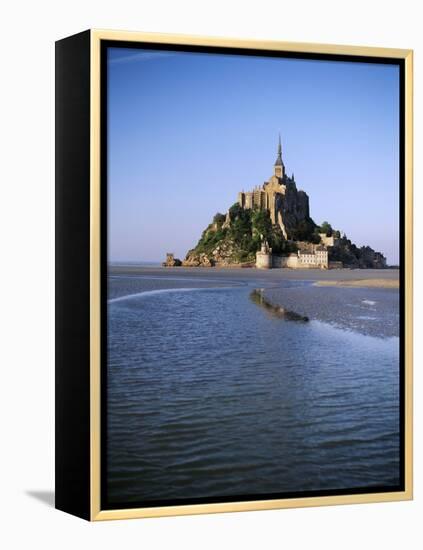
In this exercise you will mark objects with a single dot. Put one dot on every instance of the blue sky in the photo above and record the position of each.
(187, 131)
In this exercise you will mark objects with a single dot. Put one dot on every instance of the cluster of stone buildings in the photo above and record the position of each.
(312, 257)
(275, 196)
(288, 207)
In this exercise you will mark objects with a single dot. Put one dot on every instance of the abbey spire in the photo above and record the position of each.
(279, 168)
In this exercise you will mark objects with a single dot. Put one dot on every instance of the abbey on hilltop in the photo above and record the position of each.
(269, 227)
(288, 207)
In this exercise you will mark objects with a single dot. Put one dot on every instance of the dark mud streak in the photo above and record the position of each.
(278, 311)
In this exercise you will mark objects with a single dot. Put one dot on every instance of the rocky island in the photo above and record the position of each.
(271, 227)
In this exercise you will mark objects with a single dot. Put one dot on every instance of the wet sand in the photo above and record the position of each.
(365, 301)
(271, 275)
(371, 311)
(362, 283)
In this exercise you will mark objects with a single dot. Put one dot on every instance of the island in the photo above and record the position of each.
(271, 227)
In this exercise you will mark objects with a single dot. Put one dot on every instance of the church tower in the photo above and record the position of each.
(279, 168)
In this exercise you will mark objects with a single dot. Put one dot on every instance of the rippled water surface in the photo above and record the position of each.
(210, 395)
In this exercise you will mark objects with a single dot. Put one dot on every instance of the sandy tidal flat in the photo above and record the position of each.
(362, 283)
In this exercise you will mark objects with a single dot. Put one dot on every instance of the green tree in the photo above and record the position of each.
(261, 223)
(326, 228)
(219, 219)
(304, 230)
(235, 210)
(315, 237)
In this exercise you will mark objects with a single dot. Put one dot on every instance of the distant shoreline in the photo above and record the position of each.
(273, 276)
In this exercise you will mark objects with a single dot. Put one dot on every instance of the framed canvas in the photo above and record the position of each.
(233, 275)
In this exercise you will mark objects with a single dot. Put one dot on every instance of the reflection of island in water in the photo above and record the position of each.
(271, 227)
(210, 395)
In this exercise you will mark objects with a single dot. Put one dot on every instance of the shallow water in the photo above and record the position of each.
(370, 311)
(210, 395)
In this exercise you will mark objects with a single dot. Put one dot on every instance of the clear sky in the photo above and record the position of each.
(187, 131)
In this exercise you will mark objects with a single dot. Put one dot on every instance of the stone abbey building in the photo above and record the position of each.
(287, 205)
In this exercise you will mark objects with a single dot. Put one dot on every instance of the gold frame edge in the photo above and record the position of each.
(96, 514)
(95, 279)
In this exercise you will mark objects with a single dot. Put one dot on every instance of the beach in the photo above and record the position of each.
(354, 299)
(361, 283)
(369, 277)
(285, 273)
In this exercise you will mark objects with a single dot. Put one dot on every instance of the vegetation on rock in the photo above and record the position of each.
(236, 237)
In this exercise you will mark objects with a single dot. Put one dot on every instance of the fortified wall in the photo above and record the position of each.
(303, 259)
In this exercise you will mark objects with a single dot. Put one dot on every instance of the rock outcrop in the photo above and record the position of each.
(198, 260)
(171, 261)
(234, 239)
